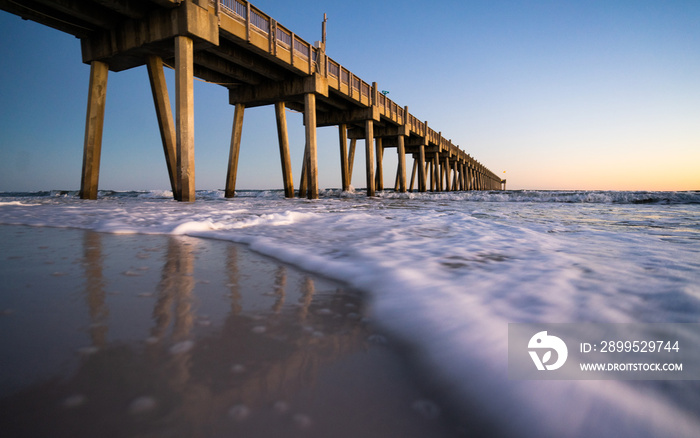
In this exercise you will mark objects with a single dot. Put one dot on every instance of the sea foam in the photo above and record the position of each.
(447, 272)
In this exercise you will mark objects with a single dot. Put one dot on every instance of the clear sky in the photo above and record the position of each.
(558, 94)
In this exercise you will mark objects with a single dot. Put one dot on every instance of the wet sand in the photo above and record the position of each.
(169, 336)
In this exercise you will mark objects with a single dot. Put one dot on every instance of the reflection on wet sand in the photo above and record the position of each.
(95, 288)
(183, 379)
(175, 289)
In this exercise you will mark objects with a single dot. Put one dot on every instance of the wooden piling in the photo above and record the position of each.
(164, 114)
(459, 181)
(422, 183)
(401, 170)
(94, 123)
(184, 96)
(431, 174)
(380, 168)
(413, 174)
(351, 159)
(471, 177)
(343, 138)
(236, 131)
(448, 171)
(436, 172)
(369, 156)
(311, 159)
(396, 181)
(303, 180)
(285, 159)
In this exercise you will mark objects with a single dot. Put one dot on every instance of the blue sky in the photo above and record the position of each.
(558, 94)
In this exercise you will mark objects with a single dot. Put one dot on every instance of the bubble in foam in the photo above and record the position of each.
(142, 405)
(281, 407)
(302, 421)
(238, 368)
(426, 408)
(131, 274)
(181, 347)
(74, 401)
(88, 350)
(239, 412)
(377, 339)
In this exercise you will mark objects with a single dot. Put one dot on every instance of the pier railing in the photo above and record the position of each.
(284, 44)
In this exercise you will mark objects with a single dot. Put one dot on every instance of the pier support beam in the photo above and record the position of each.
(448, 170)
(351, 160)
(94, 123)
(401, 170)
(431, 174)
(311, 154)
(472, 177)
(380, 168)
(285, 158)
(413, 174)
(184, 75)
(437, 180)
(303, 180)
(235, 150)
(369, 159)
(422, 177)
(343, 138)
(164, 114)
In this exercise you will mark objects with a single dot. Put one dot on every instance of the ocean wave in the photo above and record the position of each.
(539, 196)
(558, 196)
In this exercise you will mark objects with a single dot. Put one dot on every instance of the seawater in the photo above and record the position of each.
(447, 272)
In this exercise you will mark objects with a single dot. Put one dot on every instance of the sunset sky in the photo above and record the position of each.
(556, 94)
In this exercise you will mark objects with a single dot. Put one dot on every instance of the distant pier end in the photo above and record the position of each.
(260, 62)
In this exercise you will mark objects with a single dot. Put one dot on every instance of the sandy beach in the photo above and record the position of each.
(169, 336)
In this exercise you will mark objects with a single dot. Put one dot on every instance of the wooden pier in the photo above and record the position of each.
(260, 62)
